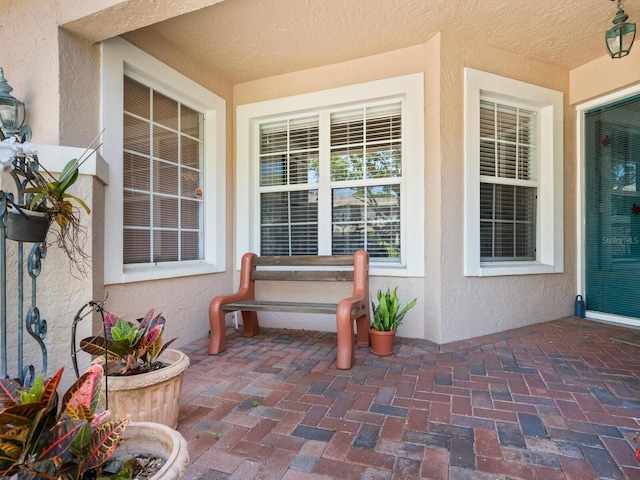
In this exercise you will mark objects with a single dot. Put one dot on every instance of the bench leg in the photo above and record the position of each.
(362, 329)
(344, 326)
(250, 324)
(218, 337)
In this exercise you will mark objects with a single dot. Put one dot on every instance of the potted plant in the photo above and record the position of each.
(387, 317)
(158, 439)
(42, 437)
(143, 379)
(43, 199)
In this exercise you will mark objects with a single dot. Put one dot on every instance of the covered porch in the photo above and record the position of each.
(555, 400)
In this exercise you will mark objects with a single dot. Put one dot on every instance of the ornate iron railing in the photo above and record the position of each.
(25, 318)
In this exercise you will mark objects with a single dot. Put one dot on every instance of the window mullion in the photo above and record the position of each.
(496, 150)
(289, 223)
(493, 221)
(324, 186)
(179, 253)
(518, 139)
(514, 246)
(508, 181)
(151, 177)
(287, 186)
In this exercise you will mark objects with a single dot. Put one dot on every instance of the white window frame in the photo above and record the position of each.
(549, 212)
(120, 58)
(410, 90)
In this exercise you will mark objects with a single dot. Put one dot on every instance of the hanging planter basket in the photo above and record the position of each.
(24, 225)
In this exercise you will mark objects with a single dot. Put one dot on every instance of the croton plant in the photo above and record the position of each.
(44, 438)
(130, 347)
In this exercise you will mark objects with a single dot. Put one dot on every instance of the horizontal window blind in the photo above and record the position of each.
(507, 222)
(366, 143)
(289, 222)
(289, 152)
(162, 178)
(507, 142)
(508, 182)
(360, 186)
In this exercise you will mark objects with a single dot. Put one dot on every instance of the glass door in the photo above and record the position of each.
(612, 209)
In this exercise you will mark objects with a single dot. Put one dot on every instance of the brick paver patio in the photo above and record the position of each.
(557, 400)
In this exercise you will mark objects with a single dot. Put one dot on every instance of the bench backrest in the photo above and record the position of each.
(343, 268)
(311, 268)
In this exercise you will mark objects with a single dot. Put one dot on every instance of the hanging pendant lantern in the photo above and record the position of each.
(620, 37)
(12, 112)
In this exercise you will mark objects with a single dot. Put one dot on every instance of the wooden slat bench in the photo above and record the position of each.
(315, 268)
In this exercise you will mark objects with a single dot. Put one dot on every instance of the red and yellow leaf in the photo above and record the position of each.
(105, 440)
(60, 438)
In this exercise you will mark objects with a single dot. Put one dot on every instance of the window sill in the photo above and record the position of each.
(514, 268)
(145, 272)
(379, 269)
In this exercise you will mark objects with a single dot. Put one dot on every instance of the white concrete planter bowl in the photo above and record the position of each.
(158, 439)
(149, 397)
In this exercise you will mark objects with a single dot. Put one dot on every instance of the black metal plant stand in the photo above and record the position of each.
(30, 320)
(86, 310)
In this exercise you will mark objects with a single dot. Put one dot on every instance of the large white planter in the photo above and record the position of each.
(158, 439)
(149, 397)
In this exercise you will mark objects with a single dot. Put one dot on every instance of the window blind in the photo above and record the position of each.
(508, 188)
(366, 146)
(289, 159)
(162, 177)
(361, 188)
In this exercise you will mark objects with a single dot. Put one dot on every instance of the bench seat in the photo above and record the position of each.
(275, 306)
(316, 268)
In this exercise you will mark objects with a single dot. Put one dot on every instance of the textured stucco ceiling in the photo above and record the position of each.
(243, 40)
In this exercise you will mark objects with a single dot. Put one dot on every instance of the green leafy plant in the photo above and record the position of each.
(130, 347)
(45, 193)
(51, 195)
(387, 315)
(41, 438)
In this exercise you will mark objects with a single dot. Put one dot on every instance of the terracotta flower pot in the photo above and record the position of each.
(382, 342)
(149, 397)
(158, 439)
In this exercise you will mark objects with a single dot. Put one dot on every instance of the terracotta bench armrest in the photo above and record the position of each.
(246, 291)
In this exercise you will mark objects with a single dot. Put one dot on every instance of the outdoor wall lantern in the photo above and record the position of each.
(620, 37)
(12, 113)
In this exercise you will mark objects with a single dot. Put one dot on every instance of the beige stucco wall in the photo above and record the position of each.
(31, 64)
(477, 306)
(450, 306)
(56, 72)
(603, 76)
